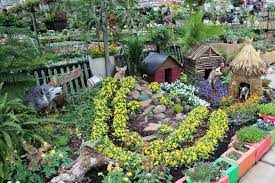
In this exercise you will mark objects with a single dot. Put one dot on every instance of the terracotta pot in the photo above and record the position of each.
(182, 180)
(261, 147)
(264, 116)
(246, 161)
(231, 172)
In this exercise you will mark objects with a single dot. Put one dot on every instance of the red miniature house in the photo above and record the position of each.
(161, 68)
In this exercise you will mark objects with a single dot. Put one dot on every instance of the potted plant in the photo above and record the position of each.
(205, 172)
(265, 82)
(267, 111)
(228, 168)
(244, 160)
(97, 59)
(255, 137)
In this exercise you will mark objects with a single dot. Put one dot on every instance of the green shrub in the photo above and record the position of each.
(250, 134)
(178, 108)
(268, 109)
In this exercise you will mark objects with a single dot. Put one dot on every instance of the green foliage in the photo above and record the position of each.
(233, 155)
(183, 78)
(135, 47)
(196, 32)
(251, 134)
(41, 167)
(115, 177)
(240, 146)
(165, 129)
(160, 36)
(268, 109)
(80, 109)
(226, 79)
(203, 172)
(178, 108)
(18, 124)
(156, 175)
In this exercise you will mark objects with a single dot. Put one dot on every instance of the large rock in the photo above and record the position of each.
(135, 94)
(148, 110)
(170, 112)
(177, 100)
(138, 87)
(150, 137)
(148, 92)
(146, 103)
(160, 116)
(143, 97)
(187, 108)
(180, 116)
(159, 109)
(152, 127)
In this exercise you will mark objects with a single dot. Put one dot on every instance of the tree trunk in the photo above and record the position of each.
(105, 38)
(87, 159)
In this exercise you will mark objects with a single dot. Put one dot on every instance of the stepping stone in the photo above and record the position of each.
(259, 173)
(270, 157)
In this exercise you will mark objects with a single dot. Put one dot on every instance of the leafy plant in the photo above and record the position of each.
(18, 127)
(203, 172)
(158, 174)
(268, 109)
(233, 155)
(240, 146)
(265, 124)
(226, 79)
(178, 108)
(223, 166)
(160, 37)
(195, 31)
(266, 81)
(165, 129)
(251, 134)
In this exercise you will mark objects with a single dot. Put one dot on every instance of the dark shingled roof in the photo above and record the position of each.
(153, 61)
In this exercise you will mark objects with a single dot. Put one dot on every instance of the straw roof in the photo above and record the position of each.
(248, 62)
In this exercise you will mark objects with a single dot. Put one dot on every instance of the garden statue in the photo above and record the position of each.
(42, 98)
(120, 73)
(244, 93)
(214, 74)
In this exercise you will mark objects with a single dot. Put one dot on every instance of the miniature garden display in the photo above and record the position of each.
(135, 91)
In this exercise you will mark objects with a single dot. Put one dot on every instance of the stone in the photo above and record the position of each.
(148, 92)
(177, 101)
(259, 173)
(166, 120)
(158, 95)
(148, 110)
(146, 103)
(180, 116)
(159, 109)
(270, 157)
(143, 97)
(187, 108)
(170, 112)
(152, 127)
(150, 138)
(137, 87)
(160, 116)
(135, 94)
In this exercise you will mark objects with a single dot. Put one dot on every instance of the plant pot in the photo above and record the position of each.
(231, 172)
(190, 181)
(182, 180)
(245, 162)
(264, 116)
(265, 84)
(261, 147)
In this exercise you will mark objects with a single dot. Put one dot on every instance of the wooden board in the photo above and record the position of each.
(69, 76)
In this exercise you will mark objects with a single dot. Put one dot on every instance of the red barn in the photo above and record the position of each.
(161, 68)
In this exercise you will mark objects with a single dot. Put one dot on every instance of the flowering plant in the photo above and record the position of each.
(166, 100)
(184, 92)
(154, 86)
(265, 124)
(213, 95)
(97, 52)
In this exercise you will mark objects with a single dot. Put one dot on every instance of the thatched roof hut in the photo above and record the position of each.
(248, 62)
(247, 69)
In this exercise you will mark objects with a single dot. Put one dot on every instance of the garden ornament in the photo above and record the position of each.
(41, 98)
(214, 74)
(120, 73)
(244, 93)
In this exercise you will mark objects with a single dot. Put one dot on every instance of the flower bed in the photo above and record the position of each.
(134, 152)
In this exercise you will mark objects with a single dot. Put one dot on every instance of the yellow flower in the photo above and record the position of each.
(43, 155)
(129, 174)
(61, 155)
(52, 152)
(45, 144)
(100, 174)
(126, 179)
